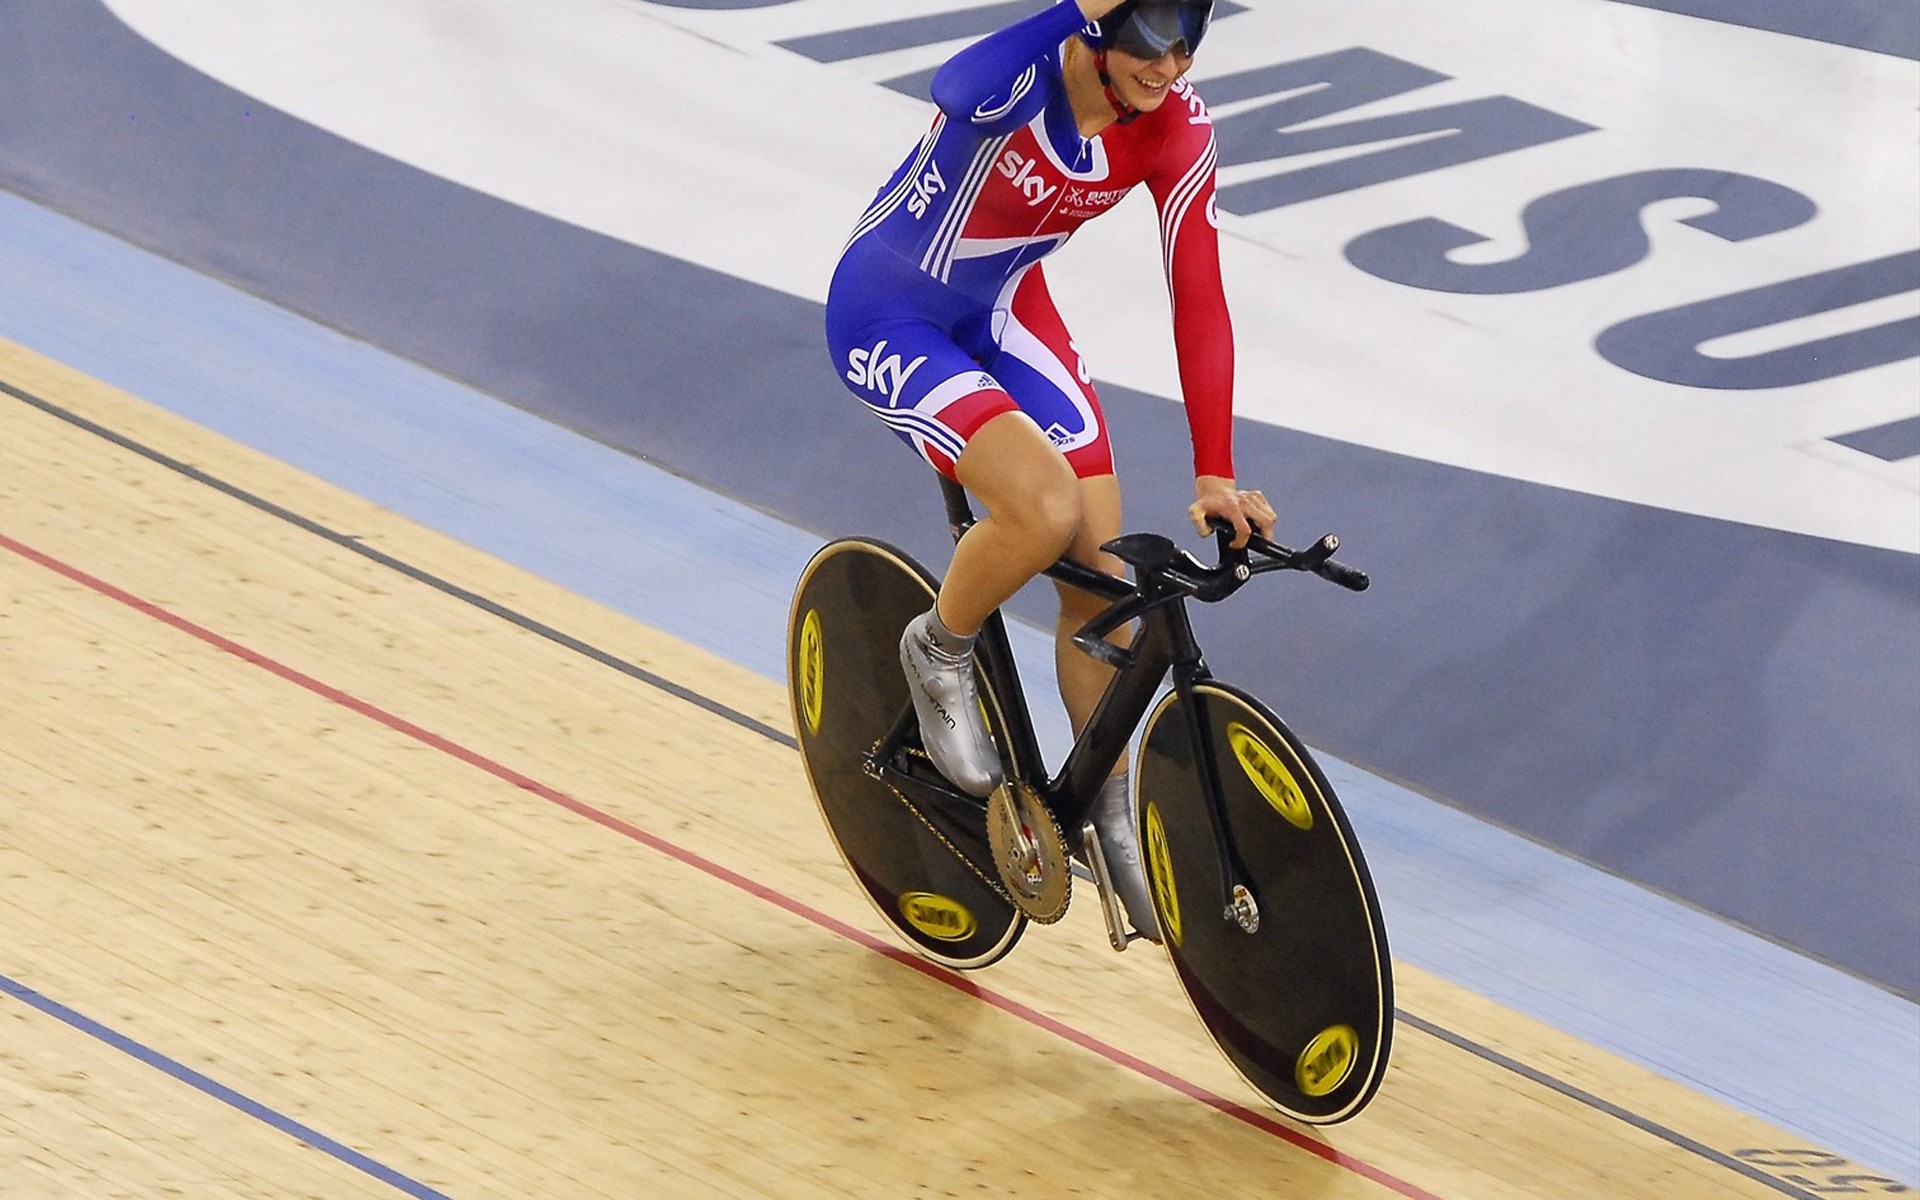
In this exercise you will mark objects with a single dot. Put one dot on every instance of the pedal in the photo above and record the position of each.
(1119, 933)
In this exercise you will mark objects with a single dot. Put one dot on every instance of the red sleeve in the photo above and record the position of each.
(1182, 185)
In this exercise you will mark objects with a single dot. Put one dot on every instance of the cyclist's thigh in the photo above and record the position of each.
(911, 375)
(1038, 363)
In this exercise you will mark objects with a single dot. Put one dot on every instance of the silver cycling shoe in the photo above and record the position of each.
(939, 669)
(1112, 818)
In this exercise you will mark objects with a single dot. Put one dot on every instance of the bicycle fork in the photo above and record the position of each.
(1238, 904)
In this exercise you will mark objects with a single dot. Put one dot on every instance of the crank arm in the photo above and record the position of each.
(1119, 933)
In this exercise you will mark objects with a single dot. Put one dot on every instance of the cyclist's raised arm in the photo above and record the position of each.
(990, 83)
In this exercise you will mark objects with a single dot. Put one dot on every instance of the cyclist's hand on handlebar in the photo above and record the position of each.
(1246, 511)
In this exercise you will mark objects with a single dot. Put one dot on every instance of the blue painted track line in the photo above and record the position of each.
(219, 1091)
(1657, 982)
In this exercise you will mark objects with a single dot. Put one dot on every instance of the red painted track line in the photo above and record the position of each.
(1040, 1020)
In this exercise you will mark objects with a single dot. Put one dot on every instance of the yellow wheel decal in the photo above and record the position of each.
(1325, 1063)
(938, 916)
(812, 669)
(1160, 873)
(1269, 775)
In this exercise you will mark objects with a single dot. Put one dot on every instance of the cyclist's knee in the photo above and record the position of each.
(1028, 488)
(1048, 511)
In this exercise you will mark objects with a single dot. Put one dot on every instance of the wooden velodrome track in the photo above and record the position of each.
(343, 860)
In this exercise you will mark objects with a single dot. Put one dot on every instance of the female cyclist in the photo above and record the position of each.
(939, 319)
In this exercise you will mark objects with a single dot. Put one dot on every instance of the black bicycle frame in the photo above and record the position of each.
(1166, 643)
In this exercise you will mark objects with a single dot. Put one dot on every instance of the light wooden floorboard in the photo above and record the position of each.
(497, 996)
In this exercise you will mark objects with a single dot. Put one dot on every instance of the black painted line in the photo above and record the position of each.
(352, 543)
(1644, 1124)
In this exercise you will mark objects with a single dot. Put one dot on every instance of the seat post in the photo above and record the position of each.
(959, 512)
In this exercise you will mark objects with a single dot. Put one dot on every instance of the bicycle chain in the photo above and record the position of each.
(993, 882)
(999, 889)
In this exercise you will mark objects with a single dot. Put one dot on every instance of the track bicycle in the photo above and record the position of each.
(1266, 907)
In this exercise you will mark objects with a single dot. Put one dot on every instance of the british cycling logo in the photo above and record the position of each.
(1084, 202)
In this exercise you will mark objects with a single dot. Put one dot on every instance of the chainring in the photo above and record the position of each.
(1029, 852)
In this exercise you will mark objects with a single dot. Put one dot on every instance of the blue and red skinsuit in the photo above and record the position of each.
(938, 316)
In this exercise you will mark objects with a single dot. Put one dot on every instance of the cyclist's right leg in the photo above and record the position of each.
(1031, 501)
(1039, 363)
(934, 395)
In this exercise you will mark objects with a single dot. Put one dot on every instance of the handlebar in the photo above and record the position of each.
(1167, 573)
(1317, 558)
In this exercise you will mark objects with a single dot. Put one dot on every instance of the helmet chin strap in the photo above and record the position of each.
(1122, 111)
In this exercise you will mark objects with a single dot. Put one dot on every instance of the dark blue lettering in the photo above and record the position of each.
(721, 5)
(918, 84)
(1450, 134)
(838, 45)
(1577, 233)
(1666, 345)
(1894, 441)
(1884, 26)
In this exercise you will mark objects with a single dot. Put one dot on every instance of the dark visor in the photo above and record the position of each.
(1152, 30)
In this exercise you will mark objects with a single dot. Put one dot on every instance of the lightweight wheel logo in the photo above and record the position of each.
(812, 670)
(937, 916)
(1160, 873)
(1269, 775)
(1327, 1060)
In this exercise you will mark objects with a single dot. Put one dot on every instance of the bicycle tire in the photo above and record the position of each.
(846, 688)
(1303, 1006)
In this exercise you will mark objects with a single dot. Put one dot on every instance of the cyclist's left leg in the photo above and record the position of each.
(934, 395)
(1041, 368)
(1084, 678)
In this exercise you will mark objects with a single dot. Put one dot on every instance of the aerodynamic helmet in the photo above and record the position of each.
(1149, 28)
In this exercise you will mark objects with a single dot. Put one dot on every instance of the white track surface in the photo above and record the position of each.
(691, 133)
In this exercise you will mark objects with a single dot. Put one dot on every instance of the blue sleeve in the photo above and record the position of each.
(992, 83)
